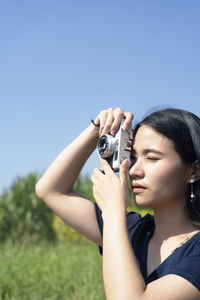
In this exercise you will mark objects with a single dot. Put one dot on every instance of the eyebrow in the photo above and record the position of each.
(146, 151)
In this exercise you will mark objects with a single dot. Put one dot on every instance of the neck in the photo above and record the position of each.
(172, 221)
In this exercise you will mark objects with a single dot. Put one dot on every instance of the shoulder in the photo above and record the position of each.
(190, 249)
(184, 262)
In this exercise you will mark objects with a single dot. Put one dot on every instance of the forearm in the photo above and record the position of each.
(64, 170)
(122, 276)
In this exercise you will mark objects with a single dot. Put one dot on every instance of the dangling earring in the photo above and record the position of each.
(192, 195)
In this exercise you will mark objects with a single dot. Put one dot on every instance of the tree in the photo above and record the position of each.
(22, 213)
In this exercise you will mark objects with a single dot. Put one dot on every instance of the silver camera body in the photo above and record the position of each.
(116, 148)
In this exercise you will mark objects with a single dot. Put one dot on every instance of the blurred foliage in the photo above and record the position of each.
(83, 186)
(65, 232)
(23, 214)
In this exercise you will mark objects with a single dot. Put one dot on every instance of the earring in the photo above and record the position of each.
(192, 195)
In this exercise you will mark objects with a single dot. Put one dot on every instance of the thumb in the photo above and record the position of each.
(124, 170)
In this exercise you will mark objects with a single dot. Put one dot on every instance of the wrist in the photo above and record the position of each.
(114, 215)
(94, 130)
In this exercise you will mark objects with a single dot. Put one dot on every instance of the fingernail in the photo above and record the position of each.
(112, 132)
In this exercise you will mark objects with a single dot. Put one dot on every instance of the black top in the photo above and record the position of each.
(185, 261)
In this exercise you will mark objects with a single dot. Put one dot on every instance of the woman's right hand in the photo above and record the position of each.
(110, 120)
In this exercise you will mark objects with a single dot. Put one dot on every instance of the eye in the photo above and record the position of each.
(153, 158)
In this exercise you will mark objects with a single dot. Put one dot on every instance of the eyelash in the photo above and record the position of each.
(152, 158)
(134, 158)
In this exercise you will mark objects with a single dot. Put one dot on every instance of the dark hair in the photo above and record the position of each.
(183, 129)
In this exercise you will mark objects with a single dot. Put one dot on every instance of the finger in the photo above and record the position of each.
(96, 176)
(99, 174)
(109, 121)
(93, 179)
(118, 117)
(128, 120)
(124, 168)
(102, 118)
(105, 166)
(98, 196)
(132, 133)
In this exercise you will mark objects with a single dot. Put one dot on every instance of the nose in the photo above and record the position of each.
(137, 170)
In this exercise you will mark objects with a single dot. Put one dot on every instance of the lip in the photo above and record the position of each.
(138, 188)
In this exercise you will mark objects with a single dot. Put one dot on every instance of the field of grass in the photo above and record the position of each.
(57, 271)
(69, 269)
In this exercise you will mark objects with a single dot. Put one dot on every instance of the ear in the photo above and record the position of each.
(195, 171)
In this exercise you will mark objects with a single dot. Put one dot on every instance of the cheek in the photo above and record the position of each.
(170, 179)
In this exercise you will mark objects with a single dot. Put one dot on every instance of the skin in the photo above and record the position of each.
(122, 277)
(159, 168)
(164, 177)
(55, 187)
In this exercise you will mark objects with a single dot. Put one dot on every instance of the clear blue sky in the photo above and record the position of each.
(63, 61)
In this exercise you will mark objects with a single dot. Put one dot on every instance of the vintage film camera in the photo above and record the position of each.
(116, 148)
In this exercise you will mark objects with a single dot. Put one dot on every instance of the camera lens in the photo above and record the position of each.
(102, 145)
(106, 145)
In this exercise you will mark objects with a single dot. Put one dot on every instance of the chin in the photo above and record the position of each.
(144, 203)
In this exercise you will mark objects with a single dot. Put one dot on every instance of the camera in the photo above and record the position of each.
(116, 148)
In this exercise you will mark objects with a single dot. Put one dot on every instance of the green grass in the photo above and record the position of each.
(70, 271)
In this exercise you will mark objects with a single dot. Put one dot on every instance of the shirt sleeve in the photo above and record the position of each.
(189, 267)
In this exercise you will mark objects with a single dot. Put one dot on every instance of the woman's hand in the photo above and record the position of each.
(110, 120)
(110, 191)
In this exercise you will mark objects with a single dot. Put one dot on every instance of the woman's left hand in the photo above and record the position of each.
(110, 191)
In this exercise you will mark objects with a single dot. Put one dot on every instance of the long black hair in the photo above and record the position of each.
(183, 129)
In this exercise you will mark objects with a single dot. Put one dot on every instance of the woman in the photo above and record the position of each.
(143, 258)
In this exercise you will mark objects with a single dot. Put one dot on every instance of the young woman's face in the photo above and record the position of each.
(158, 174)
